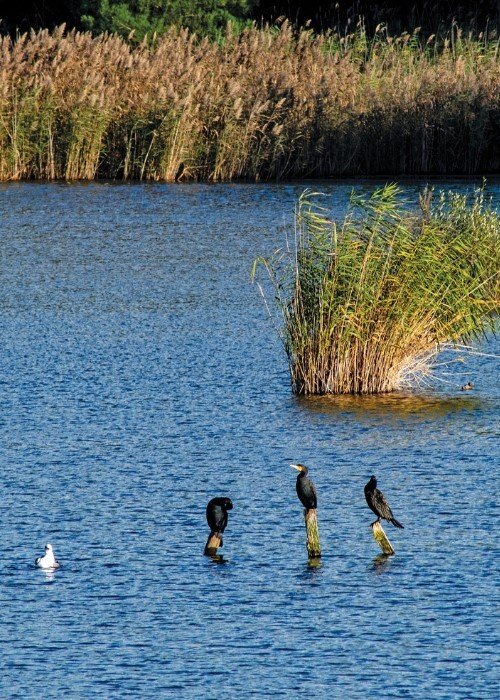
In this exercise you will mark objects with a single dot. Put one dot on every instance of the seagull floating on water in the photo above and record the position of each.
(48, 561)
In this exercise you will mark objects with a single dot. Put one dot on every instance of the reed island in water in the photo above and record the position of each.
(366, 304)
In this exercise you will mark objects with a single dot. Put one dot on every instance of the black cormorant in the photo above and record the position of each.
(217, 515)
(305, 487)
(376, 501)
(180, 171)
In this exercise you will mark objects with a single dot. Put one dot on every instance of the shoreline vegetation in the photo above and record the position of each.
(365, 305)
(262, 104)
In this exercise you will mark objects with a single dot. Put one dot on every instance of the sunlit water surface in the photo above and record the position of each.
(139, 377)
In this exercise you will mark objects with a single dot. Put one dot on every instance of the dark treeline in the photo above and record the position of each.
(211, 16)
(399, 15)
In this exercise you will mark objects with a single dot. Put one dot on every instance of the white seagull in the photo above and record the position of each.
(48, 561)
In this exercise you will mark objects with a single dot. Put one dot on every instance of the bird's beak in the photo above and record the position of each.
(296, 466)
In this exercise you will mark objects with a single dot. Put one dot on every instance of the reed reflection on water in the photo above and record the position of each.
(395, 404)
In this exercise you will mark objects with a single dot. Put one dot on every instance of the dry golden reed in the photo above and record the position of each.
(267, 103)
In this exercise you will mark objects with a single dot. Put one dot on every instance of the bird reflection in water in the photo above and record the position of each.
(380, 563)
(50, 575)
(313, 564)
(218, 558)
(310, 574)
(397, 405)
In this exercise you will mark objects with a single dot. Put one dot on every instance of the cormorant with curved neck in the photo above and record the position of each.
(305, 487)
(378, 504)
(217, 515)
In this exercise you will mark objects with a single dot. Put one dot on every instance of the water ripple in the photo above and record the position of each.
(140, 377)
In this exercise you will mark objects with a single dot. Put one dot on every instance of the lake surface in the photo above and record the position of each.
(139, 377)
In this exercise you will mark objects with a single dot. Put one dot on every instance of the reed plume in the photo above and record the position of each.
(263, 104)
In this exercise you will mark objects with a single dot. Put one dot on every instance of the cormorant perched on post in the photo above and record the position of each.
(217, 515)
(376, 501)
(305, 487)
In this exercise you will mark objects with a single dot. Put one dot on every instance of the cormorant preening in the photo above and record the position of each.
(376, 501)
(305, 487)
(217, 515)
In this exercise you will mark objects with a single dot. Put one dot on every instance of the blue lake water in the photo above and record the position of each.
(139, 377)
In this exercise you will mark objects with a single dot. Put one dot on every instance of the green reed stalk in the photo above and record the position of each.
(366, 304)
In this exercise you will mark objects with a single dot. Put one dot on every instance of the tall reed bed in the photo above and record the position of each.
(366, 304)
(267, 103)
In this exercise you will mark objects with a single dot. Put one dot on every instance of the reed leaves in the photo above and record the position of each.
(367, 303)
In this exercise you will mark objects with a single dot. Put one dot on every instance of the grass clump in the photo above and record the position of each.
(367, 303)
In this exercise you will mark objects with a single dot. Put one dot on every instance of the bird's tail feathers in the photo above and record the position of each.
(396, 523)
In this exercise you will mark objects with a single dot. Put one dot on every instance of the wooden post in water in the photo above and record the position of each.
(313, 543)
(381, 538)
(213, 543)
